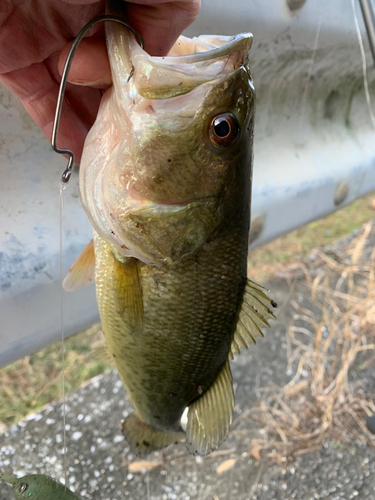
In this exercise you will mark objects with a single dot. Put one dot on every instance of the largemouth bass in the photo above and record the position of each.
(38, 487)
(165, 180)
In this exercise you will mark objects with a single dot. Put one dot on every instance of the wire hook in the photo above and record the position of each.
(68, 171)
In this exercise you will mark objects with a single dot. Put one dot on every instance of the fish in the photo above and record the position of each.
(38, 487)
(165, 179)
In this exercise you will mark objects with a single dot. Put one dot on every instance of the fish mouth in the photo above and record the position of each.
(7, 478)
(190, 63)
(207, 48)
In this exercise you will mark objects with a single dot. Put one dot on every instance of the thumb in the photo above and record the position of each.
(90, 65)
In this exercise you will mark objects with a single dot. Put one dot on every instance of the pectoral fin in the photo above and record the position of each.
(144, 438)
(254, 315)
(129, 296)
(210, 416)
(81, 272)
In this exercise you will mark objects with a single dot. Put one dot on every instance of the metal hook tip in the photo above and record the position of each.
(66, 176)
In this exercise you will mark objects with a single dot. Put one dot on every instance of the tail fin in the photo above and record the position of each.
(144, 438)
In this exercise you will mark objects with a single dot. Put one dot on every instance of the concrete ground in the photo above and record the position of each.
(100, 465)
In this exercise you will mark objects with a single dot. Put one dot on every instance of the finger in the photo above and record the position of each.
(161, 22)
(82, 99)
(90, 65)
(38, 92)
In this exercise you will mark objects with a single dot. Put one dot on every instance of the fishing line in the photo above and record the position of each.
(310, 70)
(364, 65)
(369, 19)
(148, 485)
(62, 186)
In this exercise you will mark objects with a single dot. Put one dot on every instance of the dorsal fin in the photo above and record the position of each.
(255, 311)
(82, 271)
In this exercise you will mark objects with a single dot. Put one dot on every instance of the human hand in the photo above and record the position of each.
(35, 37)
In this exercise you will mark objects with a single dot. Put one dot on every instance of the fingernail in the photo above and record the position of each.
(97, 84)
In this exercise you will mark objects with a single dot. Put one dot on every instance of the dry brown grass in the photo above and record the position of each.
(328, 347)
(290, 250)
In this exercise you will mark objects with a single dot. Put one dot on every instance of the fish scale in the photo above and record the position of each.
(194, 319)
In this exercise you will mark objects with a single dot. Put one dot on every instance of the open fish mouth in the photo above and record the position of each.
(191, 62)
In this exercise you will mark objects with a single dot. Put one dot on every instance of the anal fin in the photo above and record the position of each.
(255, 312)
(144, 438)
(210, 416)
(82, 271)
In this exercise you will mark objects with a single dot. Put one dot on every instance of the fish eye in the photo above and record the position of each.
(23, 487)
(223, 130)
